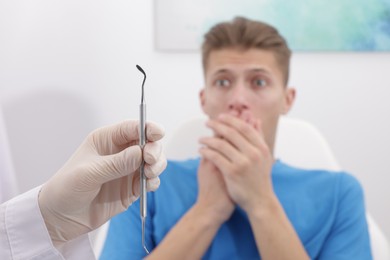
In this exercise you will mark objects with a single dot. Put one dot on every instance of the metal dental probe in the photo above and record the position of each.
(142, 141)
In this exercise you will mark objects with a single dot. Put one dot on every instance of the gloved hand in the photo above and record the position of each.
(100, 180)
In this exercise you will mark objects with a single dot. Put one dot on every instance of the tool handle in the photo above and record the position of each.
(142, 142)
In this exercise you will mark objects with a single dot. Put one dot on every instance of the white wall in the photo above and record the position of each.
(67, 67)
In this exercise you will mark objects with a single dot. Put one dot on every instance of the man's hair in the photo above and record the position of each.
(245, 34)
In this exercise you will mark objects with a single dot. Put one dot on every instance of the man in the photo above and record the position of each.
(100, 180)
(237, 202)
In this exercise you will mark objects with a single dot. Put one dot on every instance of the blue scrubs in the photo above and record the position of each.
(326, 209)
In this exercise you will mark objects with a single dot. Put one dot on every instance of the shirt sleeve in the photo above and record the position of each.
(349, 237)
(23, 233)
(124, 237)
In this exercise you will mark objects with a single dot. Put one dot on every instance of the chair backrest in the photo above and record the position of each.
(8, 184)
(298, 143)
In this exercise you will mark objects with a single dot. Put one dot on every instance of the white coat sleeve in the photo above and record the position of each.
(23, 233)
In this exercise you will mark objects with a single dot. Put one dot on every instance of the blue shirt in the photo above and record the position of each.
(326, 209)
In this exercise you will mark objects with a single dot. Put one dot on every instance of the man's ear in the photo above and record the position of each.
(202, 98)
(289, 99)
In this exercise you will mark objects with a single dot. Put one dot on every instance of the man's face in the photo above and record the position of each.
(247, 84)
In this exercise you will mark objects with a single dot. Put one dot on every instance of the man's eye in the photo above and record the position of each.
(223, 83)
(260, 82)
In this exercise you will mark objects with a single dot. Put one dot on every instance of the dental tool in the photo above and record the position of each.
(142, 141)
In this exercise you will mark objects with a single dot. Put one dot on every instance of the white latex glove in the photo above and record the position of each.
(100, 180)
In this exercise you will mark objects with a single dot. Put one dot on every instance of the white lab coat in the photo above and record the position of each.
(23, 234)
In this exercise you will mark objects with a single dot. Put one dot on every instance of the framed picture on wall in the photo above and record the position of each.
(333, 25)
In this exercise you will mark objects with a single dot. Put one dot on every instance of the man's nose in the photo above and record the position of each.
(239, 99)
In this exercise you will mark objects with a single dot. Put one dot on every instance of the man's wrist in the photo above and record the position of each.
(264, 209)
(207, 217)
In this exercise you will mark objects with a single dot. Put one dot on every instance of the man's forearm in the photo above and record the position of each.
(190, 238)
(275, 236)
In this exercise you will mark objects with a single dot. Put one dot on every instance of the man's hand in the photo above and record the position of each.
(241, 154)
(212, 194)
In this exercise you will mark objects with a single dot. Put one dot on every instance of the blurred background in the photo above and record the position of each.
(68, 67)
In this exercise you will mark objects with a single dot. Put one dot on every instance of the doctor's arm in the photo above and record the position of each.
(99, 181)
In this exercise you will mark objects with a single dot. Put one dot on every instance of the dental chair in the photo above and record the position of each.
(298, 143)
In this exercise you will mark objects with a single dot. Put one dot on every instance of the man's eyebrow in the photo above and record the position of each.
(220, 71)
(224, 70)
(260, 70)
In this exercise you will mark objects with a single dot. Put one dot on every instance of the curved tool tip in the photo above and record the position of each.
(140, 69)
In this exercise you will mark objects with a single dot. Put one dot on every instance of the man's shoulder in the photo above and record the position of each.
(182, 166)
(180, 171)
(340, 180)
